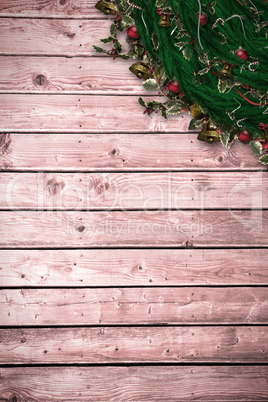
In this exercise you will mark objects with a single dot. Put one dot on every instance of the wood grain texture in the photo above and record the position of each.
(148, 383)
(82, 113)
(50, 8)
(133, 267)
(68, 75)
(134, 229)
(121, 152)
(133, 306)
(144, 191)
(133, 345)
(52, 37)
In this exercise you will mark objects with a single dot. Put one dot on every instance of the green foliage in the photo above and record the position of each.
(264, 159)
(99, 49)
(194, 124)
(195, 61)
(256, 148)
(150, 84)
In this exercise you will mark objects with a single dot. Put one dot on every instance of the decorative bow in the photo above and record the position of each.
(263, 126)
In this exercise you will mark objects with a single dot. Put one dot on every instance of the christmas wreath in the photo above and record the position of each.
(209, 58)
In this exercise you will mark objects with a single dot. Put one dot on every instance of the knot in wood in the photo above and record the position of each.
(40, 80)
(189, 244)
(55, 186)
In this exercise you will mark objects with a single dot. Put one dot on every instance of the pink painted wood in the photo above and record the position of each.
(130, 306)
(67, 137)
(83, 113)
(124, 152)
(141, 383)
(142, 267)
(49, 8)
(112, 229)
(79, 75)
(133, 345)
(97, 191)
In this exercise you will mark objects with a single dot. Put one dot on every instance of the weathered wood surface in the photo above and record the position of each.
(134, 306)
(121, 152)
(50, 8)
(133, 190)
(133, 345)
(78, 9)
(83, 113)
(147, 383)
(68, 75)
(184, 267)
(50, 37)
(134, 229)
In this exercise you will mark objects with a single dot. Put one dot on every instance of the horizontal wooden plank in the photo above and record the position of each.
(68, 75)
(82, 113)
(144, 191)
(134, 229)
(121, 152)
(135, 306)
(52, 36)
(50, 8)
(147, 383)
(133, 267)
(134, 345)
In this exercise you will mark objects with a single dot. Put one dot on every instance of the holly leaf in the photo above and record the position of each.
(180, 45)
(127, 20)
(99, 49)
(204, 71)
(222, 37)
(124, 56)
(142, 102)
(150, 84)
(256, 147)
(225, 137)
(160, 3)
(187, 52)
(195, 124)
(155, 40)
(180, 34)
(139, 50)
(163, 79)
(118, 46)
(222, 85)
(203, 57)
(262, 101)
(113, 30)
(108, 40)
(164, 112)
(155, 104)
(175, 109)
(264, 159)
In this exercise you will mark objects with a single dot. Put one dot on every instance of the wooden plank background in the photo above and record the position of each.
(133, 257)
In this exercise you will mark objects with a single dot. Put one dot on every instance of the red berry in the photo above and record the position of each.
(244, 136)
(174, 87)
(242, 54)
(133, 32)
(203, 19)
